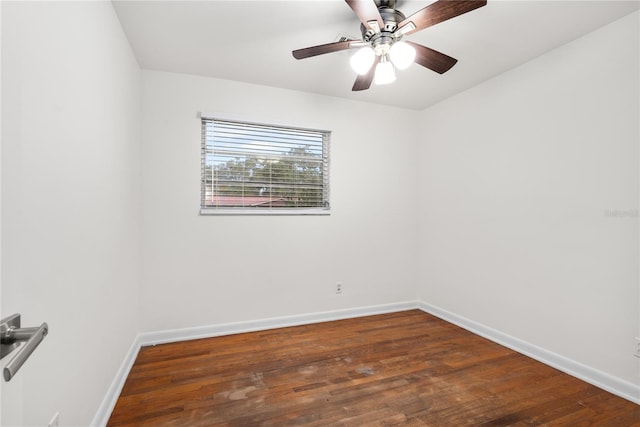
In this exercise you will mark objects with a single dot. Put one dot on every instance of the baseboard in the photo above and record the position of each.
(173, 335)
(162, 337)
(109, 402)
(588, 374)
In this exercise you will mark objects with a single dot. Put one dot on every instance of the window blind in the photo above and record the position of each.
(248, 166)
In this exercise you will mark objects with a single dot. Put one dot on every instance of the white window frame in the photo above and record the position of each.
(206, 185)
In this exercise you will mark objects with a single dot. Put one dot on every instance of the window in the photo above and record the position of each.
(254, 168)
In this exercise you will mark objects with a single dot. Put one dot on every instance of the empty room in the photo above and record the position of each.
(320, 213)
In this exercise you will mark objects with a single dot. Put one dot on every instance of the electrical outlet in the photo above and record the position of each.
(339, 288)
(55, 420)
(637, 353)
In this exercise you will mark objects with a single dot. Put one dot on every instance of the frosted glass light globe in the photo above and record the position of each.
(385, 73)
(402, 55)
(362, 60)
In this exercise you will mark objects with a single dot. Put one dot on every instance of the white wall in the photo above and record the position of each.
(1, 395)
(201, 270)
(521, 179)
(497, 206)
(70, 182)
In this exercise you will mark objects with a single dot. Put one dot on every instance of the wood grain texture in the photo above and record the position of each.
(322, 49)
(440, 11)
(407, 368)
(364, 82)
(432, 59)
(366, 11)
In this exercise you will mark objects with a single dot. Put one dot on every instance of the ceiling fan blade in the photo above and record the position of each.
(367, 11)
(308, 52)
(438, 12)
(364, 82)
(432, 59)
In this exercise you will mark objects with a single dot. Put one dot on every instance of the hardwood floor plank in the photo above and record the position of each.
(407, 368)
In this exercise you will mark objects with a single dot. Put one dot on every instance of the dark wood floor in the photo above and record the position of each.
(406, 368)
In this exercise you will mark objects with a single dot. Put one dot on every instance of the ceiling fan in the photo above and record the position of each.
(382, 48)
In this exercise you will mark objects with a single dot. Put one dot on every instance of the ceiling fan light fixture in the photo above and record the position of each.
(385, 72)
(362, 60)
(402, 55)
(383, 28)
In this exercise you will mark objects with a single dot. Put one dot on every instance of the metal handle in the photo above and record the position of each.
(35, 338)
(10, 336)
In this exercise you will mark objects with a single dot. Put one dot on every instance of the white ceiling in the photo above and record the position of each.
(251, 41)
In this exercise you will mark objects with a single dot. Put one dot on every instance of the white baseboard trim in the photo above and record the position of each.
(588, 374)
(162, 337)
(109, 402)
(173, 335)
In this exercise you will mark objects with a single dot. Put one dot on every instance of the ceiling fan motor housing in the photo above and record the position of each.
(385, 37)
(385, 3)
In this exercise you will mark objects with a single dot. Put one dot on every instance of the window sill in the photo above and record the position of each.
(265, 212)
